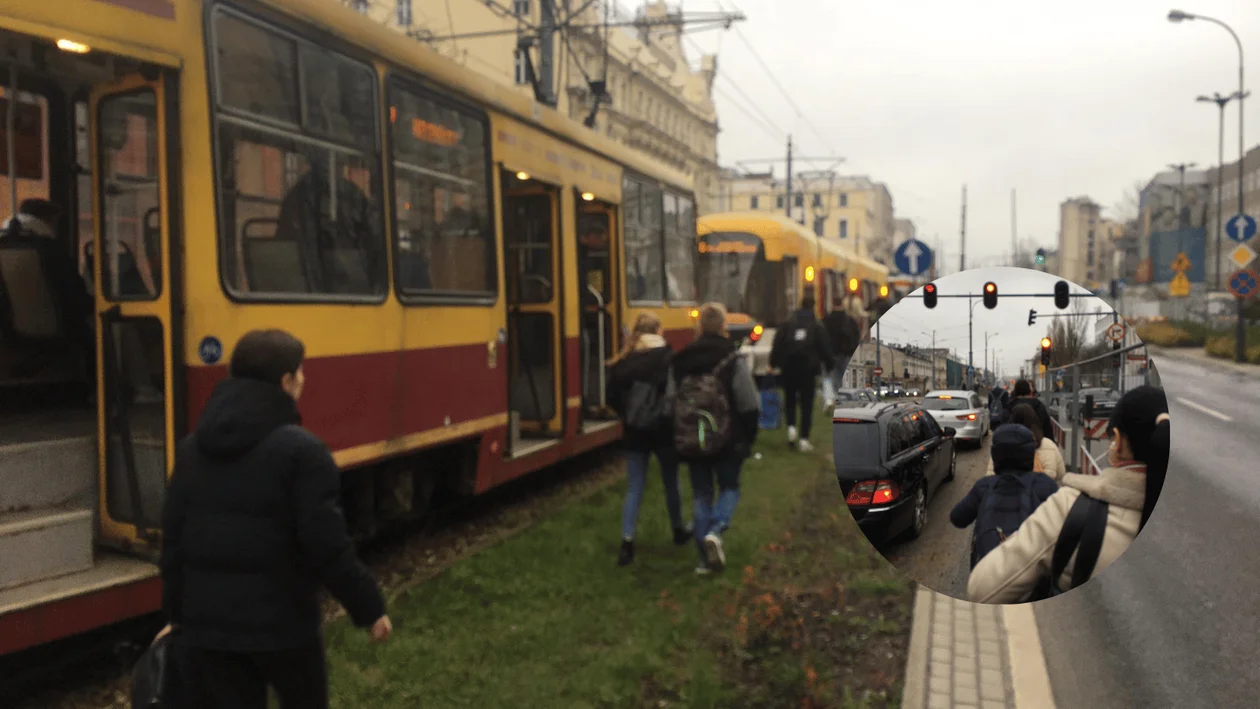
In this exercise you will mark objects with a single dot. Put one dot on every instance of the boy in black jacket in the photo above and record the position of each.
(252, 528)
(997, 504)
(800, 349)
(713, 517)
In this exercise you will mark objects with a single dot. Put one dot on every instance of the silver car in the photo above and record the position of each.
(960, 410)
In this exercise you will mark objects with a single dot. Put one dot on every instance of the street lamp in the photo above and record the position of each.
(1220, 101)
(1179, 16)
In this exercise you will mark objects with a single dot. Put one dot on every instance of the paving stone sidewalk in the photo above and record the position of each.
(958, 656)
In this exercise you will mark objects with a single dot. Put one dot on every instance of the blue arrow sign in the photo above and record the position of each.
(913, 257)
(971, 370)
(1241, 227)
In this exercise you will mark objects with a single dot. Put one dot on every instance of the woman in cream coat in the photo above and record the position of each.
(1130, 485)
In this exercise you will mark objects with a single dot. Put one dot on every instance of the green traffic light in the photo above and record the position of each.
(1040, 259)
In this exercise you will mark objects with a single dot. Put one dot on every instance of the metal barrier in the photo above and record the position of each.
(1089, 466)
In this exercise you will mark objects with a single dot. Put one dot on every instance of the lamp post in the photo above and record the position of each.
(1220, 101)
(1179, 16)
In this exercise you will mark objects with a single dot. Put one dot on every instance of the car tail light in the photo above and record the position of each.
(873, 492)
(835, 420)
(966, 417)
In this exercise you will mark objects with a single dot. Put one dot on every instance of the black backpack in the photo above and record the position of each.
(155, 680)
(1009, 502)
(646, 406)
(1082, 533)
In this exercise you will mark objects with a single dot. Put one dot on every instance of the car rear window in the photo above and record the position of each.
(935, 403)
(855, 442)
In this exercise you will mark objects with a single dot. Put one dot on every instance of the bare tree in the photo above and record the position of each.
(1069, 336)
(1129, 207)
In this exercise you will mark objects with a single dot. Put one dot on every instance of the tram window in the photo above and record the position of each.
(302, 206)
(131, 206)
(29, 124)
(680, 249)
(445, 238)
(257, 70)
(645, 277)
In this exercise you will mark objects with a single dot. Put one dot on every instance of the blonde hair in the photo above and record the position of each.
(647, 323)
(712, 318)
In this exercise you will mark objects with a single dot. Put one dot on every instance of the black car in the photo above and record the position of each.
(890, 460)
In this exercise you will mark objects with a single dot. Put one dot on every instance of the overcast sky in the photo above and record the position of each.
(1055, 100)
(1010, 338)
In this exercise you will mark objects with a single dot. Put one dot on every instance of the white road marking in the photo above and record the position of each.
(1204, 409)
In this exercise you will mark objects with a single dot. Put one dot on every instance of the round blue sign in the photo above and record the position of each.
(210, 350)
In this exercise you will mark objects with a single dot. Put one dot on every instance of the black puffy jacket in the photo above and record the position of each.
(253, 527)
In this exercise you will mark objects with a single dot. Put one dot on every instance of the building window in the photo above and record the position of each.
(819, 224)
(844, 200)
(299, 167)
(844, 228)
(444, 227)
(520, 8)
(404, 13)
(521, 68)
(818, 200)
(752, 202)
(778, 202)
(800, 200)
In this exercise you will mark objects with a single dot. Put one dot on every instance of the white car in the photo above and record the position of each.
(960, 410)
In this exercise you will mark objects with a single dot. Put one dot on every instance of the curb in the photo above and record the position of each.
(991, 653)
(1206, 362)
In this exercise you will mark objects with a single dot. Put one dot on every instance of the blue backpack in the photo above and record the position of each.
(1008, 503)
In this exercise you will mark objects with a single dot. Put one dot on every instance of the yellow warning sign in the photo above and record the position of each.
(1180, 286)
(1181, 264)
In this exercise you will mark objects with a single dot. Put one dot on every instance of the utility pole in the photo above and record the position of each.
(787, 202)
(971, 313)
(547, 51)
(1014, 244)
(962, 256)
(986, 351)
(934, 359)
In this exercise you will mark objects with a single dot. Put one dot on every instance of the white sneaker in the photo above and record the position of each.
(703, 570)
(791, 435)
(713, 551)
(805, 446)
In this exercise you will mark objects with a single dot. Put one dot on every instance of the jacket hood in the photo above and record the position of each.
(1013, 448)
(240, 414)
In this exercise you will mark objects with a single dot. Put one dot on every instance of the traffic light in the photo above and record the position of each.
(853, 285)
(990, 295)
(1032, 317)
(929, 295)
(1045, 350)
(1041, 257)
(883, 291)
(1114, 287)
(1061, 298)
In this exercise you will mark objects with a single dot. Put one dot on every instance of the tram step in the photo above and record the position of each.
(44, 543)
(51, 473)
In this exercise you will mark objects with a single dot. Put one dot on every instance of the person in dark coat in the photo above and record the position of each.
(1014, 451)
(644, 367)
(800, 350)
(1023, 394)
(845, 327)
(252, 528)
(713, 512)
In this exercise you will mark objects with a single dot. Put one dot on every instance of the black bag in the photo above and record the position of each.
(1010, 501)
(154, 681)
(646, 406)
(1084, 527)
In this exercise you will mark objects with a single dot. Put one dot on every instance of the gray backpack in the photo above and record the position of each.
(702, 413)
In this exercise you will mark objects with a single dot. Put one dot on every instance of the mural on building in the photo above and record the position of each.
(1175, 217)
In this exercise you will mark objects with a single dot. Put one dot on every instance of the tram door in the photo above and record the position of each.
(130, 260)
(531, 230)
(599, 322)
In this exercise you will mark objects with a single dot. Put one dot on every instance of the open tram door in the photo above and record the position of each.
(130, 258)
(534, 289)
(599, 319)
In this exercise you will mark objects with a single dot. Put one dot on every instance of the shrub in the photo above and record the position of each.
(1168, 335)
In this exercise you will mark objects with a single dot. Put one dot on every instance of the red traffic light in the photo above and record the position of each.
(929, 295)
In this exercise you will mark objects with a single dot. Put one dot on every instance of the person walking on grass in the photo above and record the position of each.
(637, 381)
(716, 408)
(252, 528)
(845, 327)
(799, 350)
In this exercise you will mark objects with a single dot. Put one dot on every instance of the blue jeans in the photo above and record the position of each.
(833, 380)
(711, 517)
(637, 470)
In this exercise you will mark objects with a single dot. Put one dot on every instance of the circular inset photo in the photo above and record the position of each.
(1019, 440)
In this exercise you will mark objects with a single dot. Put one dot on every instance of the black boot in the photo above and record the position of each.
(627, 552)
(682, 535)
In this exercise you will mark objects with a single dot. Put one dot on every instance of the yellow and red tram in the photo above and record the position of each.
(459, 261)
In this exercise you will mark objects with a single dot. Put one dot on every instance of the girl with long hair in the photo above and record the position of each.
(1137, 463)
(637, 381)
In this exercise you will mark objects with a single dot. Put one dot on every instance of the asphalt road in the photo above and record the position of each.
(938, 559)
(1175, 621)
